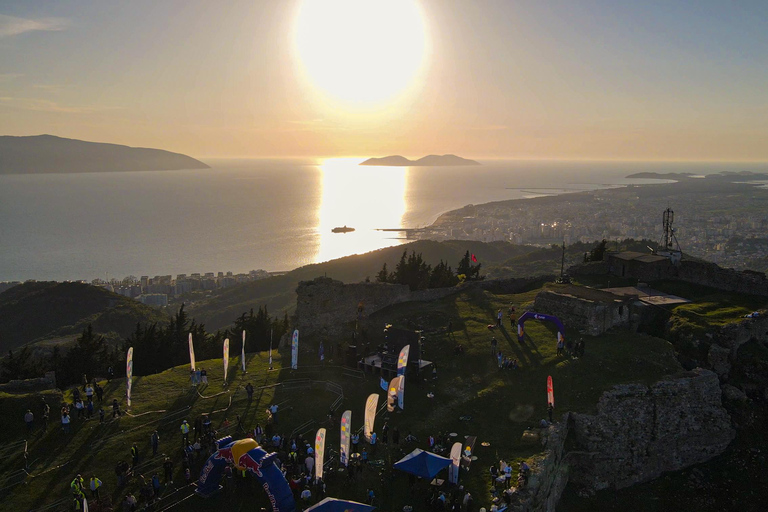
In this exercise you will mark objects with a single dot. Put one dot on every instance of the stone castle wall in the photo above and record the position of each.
(641, 431)
(638, 432)
(326, 307)
(592, 316)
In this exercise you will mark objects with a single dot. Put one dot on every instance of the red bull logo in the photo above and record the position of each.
(246, 461)
(224, 454)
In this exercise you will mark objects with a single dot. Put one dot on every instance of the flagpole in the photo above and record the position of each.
(270, 348)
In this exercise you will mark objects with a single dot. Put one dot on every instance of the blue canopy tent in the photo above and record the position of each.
(334, 505)
(423, 464)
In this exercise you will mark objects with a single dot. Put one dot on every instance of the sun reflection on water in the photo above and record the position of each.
(361, 197)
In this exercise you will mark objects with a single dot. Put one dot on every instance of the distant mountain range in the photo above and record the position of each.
(427, 161)
(46, 154)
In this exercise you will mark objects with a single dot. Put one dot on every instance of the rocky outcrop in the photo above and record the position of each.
(642, 431)
(548, 475)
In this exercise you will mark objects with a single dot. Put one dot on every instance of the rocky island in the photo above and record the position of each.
(48, 154)
(427, 161)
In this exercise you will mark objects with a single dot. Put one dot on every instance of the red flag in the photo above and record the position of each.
(474, 260)
(550, 392)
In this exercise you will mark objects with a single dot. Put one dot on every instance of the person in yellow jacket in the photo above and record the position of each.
(77, 485)
(94, 484)
(184, 432)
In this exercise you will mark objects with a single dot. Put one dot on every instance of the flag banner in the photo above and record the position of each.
(402, 360)
(467, 449)
(295, 350)
(270, 348)
(394, 385)
(370, 415)
(346, 437)
(550, 392)
(319, 453)
(401, 393)
(474, 259)
(242, 352)
(128, 375)
(85, 505)
(321, 351)
(453, 469)
(383, 383)
(226, 358)
(191, 353)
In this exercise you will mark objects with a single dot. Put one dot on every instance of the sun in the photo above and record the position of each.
(363, 52)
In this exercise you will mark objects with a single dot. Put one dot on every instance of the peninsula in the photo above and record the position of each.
(48, 154)
(427, 161)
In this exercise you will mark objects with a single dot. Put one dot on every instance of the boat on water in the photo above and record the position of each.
(344, 229)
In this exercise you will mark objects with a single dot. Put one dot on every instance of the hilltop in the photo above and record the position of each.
(427, 161)
(41, 154)
(42, 310)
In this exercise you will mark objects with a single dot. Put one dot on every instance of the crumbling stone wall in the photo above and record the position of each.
(325, 306)
(638, 432)
(641, 431)
(594, 317)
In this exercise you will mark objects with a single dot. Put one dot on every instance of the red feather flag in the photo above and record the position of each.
(474, 260)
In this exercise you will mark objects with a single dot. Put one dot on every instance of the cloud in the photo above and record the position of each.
(13, 26)
(41, 105)
(7, 77)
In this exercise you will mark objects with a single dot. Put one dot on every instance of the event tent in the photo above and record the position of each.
(335, 505)
(423, 464)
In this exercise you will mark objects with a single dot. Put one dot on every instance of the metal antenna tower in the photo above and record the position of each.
(670, 240)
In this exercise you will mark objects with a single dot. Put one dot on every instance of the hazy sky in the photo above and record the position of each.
(651, 79)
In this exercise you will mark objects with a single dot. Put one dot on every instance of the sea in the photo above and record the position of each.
(243, 215)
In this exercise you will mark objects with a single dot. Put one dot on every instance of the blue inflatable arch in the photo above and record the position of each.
(539, 316)
(247, 455)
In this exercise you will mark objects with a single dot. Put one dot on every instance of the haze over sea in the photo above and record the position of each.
(248, 214)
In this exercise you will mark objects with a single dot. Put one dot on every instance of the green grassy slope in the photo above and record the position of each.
(501, 403)
(36, 310)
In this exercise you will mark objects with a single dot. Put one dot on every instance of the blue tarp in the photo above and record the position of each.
(334, 505)
(423, 464)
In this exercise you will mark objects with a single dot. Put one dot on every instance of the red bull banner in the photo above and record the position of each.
(319, 453)
(295, 350)
(247, 455)
(402, 360)
(191, 353)
(394, 385)
(453, 469)
(550, 392)
(226, 358)
(242, 353)
(370, 415)
(128, 376)
(346, 437)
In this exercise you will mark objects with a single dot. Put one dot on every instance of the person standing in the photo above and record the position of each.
(65, 422)
(355, 441)
(168, 469)
(498, 318)
(249, 390)
(29, 419)
(94, 484)
(115, 408)
(155, 441)
(89, 392)
(204, 376)
(184, 433)
(135, 455)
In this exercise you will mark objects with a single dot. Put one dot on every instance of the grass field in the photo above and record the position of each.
(501, 403)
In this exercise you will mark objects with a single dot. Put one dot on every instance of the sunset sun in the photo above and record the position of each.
(360, 52)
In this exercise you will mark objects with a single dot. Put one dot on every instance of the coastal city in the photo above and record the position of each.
(728, 230)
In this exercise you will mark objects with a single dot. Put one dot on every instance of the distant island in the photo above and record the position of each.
(727, 176)
(48, 154)
(427, 161)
